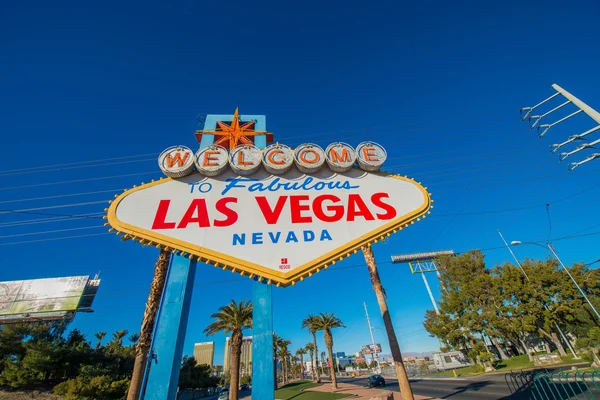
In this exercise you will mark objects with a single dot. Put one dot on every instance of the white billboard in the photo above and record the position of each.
(371, 348)
(280, 227)
(31, 298)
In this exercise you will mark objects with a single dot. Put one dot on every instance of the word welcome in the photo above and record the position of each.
(246, 159)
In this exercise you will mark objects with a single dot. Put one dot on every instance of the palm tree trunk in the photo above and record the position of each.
(275, 371)
(312, 366)
(316, 354)
(236, 352)
(558, 344)
(526, 349)
(499, 348)
(143, 346)
(329, 344)
(405, 388)
(301, 366)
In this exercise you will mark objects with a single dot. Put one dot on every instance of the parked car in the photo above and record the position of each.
(245, 386)
(224, 395)
(376, 380)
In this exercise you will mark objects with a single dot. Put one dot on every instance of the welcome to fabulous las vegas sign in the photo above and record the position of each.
(278, 214)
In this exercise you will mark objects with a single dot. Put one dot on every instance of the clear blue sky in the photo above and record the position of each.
(438, 84)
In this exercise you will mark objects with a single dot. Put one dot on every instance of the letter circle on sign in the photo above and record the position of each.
(309, 158)
(371, 156)
(277, 158)
(211, 160)
(340, 156)
(176, 161)
(245, 159)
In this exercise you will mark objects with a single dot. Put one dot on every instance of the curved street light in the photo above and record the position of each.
(548, 246)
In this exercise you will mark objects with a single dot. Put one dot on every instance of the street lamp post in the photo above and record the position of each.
(551, 248)
(575, 356)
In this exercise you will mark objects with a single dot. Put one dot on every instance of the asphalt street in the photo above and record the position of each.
(491, 386)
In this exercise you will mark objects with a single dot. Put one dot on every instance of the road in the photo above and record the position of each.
(489, 387)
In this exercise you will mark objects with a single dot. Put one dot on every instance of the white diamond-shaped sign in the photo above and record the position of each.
(281, 228)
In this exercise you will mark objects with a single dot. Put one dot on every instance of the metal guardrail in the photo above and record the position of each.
(554, 385)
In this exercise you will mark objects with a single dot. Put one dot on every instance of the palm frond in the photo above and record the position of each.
(232, 317)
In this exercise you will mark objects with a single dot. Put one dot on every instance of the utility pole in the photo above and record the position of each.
(435, 306)
(372, 337)
(575, 356)
(543, 128)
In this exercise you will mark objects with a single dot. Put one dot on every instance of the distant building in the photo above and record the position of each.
(245, 357)
(204, 353)
(308, 366)
(410, 358)
(340, 354)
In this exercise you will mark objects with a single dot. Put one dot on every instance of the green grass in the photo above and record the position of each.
(514, 363)
(294, 391)
(464, 371)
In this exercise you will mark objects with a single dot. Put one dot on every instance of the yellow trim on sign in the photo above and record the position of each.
(244, 267)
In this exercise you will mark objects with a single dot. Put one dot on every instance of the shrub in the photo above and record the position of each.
(99, 387)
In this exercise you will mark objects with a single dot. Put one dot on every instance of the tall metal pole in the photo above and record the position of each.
(437, 311)
(571, 276)
(372, 337)
(575, 356)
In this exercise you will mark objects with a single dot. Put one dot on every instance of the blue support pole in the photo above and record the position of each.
(262, 319)
(167, 345)
(262, 342)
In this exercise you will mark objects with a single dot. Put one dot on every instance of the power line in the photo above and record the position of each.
(62, 196)
(53, 239)
(54, 207)
(57, 167)
(77, 163)
(53, 214)
(77, 167)
(50, 220)
(79, 180)
(52, 231)
(117, 190)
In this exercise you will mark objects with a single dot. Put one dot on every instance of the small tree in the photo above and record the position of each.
(234, 318)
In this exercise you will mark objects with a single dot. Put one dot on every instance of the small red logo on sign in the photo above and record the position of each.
(284, 264)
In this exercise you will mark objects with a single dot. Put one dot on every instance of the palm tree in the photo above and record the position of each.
(143, 346)
(403, 382)
(134, 338)
(310, 349)
(276, 340)
(295, 366)
(300, 353)
(218, 370)
(118, 336)
(327, 322)
(234, 318)
(310, 323)
(283, 354)
(99, 336)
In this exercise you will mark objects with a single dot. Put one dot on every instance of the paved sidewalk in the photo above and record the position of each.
(361, 392)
